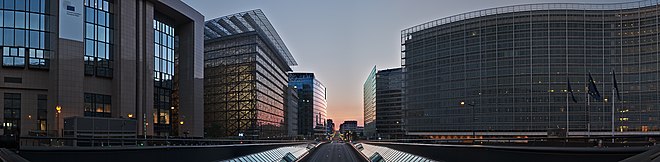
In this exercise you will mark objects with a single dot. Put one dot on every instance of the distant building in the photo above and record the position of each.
(311, 104)
(359, 132)
(512, 67)
(389, 103)
(291, 118)
(245, 77)
(348, 126)
(330, 126)
(369, 92)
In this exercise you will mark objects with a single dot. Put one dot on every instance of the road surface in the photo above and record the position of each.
(334, 152)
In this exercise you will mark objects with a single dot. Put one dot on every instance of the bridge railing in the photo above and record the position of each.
(605, 141)
(35, 142)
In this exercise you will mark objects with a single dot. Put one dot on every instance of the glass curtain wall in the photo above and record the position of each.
(513, 66)
(98, 38)
(163, 76)
(24, 30)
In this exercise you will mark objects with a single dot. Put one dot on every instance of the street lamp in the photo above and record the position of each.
(472, 110)
(130, 115)
(57, 115)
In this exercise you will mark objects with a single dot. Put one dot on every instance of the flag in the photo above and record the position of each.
(616, 86)
(570, 90)
(593, 91)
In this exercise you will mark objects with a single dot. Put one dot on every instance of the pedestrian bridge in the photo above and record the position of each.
(288, 151)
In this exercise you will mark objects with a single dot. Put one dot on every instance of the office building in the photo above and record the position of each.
(506, 71)
(245, 81)
(132, 60)
(369, 101)
(312, 103)
(383, 103)
(291, 118)
(348, 126)
(389, 103)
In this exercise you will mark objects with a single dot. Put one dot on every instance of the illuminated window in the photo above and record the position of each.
(97, 105)
(42, 112)
(12, 113)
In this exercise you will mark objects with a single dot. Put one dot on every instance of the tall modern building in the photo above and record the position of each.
(104, 59)
(512, 67)
(245, 81)
(383, 103)
(312, 104)
(389, 103)
(369, 101)
(291, 104)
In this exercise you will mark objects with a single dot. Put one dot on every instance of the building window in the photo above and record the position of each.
(24, 33)
(97, 105)
(12, 114)
(42, 112)
(98, 38)
(163, 75)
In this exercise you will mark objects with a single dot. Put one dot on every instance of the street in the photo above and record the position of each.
(333, 152)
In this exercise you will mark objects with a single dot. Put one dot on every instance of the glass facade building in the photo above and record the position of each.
(511, 66)
(389, 103)
(291, 118)
(245, 77)
(369, 101)
(312, 104)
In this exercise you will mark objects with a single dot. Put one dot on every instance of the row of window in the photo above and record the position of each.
(15, 57)
(37, 6)
(23, 20)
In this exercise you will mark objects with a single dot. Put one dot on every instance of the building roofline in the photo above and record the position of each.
(253, 20)
(528, 7)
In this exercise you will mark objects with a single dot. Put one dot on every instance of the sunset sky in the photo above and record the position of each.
(341, 40)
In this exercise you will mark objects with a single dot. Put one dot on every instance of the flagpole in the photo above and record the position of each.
(567, 113)
(613, 100)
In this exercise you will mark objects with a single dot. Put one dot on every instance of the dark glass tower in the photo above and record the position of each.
(389, 103)
(510, 67)
(245, 77)
(312, 104)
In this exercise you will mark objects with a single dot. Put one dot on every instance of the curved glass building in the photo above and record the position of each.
(506, 71)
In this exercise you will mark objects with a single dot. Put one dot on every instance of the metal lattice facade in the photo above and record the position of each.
(245, 77)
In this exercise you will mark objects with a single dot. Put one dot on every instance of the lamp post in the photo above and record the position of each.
(57, 115)
(181, 129)
(472, 110)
